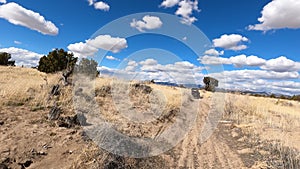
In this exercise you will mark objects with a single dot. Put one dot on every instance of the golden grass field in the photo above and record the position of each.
(262, 127)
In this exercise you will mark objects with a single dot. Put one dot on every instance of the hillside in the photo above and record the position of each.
(217, 131)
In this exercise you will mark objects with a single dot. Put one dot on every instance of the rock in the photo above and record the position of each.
(26, 163)
(69, 121)
(144, 88)
(1, 123)
(55, 90)
(54, 113)
(195, 93)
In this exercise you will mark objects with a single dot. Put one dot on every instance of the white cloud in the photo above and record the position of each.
(102, 6)
(187, 73)
(18, 15)
(238, 61)
(179, 72)
(169, 3)
(281, 64)
(23, 57)
(279, 14)
(213, 60)
(3, 1)
(91, 2)
(131, 66)
(112, 58)
(185, 10)
(148, 22)
(106, 42)
(259, 81)
(214, 52)
(149, 62)
(17, 42)
(231, 42)
(242, 75)
(99, 5)
(184, 38)
(243, 60)
(91, 46)
(82, 50)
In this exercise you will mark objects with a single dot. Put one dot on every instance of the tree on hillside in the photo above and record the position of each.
(5, 59)
(210, 83)
(57, 60)
(87, 67)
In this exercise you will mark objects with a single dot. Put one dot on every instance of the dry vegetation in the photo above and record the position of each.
(268, 130)
(274, 122)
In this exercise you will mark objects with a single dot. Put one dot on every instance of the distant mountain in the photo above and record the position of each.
(192, 85)
(178, 85)
(167, 84)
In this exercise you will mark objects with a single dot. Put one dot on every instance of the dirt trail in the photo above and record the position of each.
(27, 136)
(213, 153)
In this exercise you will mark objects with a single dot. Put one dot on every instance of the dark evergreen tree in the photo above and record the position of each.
(5, 59)
(87, 67)
(57, 60)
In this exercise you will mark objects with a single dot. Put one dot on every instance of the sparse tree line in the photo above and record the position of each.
(61, 60)
(56, 61)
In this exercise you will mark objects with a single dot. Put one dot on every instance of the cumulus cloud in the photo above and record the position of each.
(179, 72)
(185, 9)
(102, 6)
(18, 15)
(149, 62)
(281, 64)
(112, 58)
(169, 3)
(243, 60)
(259, 81)
(23, 57)
(213, 52)
(3, 1)
(148, 22)
(279, 14)
(82, 50)
(106, 42)
(238, 61)
(99, 5)
(131, 66)
(231, 42)
(91, 46)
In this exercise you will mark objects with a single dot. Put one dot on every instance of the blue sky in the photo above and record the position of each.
(249, 44)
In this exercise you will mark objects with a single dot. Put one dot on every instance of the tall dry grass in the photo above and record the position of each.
(272, 121)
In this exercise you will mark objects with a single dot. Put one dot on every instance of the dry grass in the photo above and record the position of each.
(19, 86)
(267, 120)
(263, 118)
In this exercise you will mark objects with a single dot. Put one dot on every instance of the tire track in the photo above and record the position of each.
(214, 153)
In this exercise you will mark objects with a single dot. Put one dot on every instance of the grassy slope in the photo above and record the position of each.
(265, 118)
